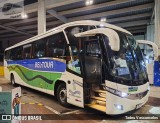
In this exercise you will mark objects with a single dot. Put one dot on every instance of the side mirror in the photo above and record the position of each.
(154, 46)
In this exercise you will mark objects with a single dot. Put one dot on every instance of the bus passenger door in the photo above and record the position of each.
(74, 78)
(92, 62)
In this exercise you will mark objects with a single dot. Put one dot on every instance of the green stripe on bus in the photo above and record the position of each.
(39, 79)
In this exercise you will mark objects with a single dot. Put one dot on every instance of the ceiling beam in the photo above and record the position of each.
(93, 7)
(49, 5)
(96, 15)
(113, 12)
(132, 23)
(136, 27)
(59, 22)
(123, 25)
(16, 34)
(133, 29)
(128, 17)
(15, 30)
(138, 31)
(55, 14)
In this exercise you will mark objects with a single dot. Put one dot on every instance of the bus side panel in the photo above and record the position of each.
(40, 73)
(6, 70)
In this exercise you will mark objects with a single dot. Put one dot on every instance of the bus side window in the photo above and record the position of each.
(56, 46)
(92, 49)
(12, 54)
(74, 63)
(7, 55)
(39, 49)
(27, 51)
(19, 54)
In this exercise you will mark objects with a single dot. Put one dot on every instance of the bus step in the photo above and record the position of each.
(103, 86)
(102, 103)
(99, 98)
(100, 93)
(97, 107)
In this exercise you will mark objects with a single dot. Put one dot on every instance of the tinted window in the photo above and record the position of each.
(19, 53)
(27, 51)
(7, 54)
(56, 45)
(12, 54)
(92, 48)
(1, 57)
(39, 48)
(76, 29)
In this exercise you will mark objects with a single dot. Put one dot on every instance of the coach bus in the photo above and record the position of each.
(150, 53)
(83, 63)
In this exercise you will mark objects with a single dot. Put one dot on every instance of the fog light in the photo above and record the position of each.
(118, 106)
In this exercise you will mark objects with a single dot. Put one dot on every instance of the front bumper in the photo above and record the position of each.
(117, 105)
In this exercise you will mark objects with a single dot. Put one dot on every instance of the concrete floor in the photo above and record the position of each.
(35, 102)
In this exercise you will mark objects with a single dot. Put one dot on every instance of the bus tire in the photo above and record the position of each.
(12, 80)
(62, 95)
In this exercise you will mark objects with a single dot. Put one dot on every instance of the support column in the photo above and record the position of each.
(41, 16)
(150, 32)
(157, 23)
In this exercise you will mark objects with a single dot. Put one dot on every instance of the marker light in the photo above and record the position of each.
(89, 2)
(24, 16)
(103, 20)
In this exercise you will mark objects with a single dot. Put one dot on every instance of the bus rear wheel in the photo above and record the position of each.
(13, 80)
(62, 95)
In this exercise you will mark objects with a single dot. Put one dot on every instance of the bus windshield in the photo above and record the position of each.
(127, 64)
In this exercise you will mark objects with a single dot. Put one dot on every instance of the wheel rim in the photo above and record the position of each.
(63, 94)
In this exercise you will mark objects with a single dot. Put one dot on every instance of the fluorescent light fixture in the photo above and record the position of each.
(89, 2)
(24, 16)
(103, 20)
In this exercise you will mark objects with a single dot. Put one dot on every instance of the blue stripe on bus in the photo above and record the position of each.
(41, 64)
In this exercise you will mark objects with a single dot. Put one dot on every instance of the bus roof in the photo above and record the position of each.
(63, 26)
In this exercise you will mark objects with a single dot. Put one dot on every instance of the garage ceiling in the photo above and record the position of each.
(133, 15)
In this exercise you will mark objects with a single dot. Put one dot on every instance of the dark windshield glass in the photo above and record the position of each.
(127, 64)
(137, 54)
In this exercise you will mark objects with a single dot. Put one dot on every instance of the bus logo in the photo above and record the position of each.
(132, 89)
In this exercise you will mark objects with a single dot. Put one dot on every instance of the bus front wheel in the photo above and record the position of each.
(62, 95)
(13, 80)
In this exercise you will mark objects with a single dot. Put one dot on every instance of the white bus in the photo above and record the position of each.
(150, 53)
(84, 63)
